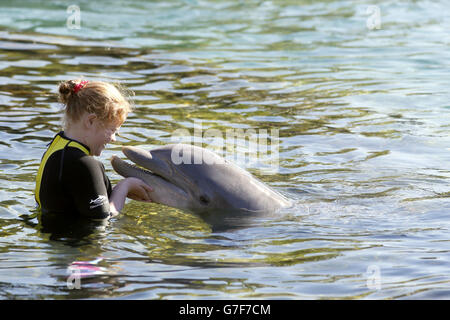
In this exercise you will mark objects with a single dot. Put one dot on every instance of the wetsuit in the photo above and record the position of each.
(70, 181)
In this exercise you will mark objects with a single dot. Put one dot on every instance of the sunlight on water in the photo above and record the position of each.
(360, 104)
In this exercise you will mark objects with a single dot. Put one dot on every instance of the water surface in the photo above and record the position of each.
(362, 116)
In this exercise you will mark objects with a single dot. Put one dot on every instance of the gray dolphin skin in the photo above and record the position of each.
(198, 180)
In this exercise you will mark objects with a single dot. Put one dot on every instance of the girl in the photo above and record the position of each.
(70, 180)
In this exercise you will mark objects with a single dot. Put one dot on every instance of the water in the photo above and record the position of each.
(362, 115)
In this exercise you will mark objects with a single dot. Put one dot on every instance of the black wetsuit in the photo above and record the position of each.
(70, 181)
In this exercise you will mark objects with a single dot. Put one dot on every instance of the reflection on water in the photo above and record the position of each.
(69, 229)
(362, 117)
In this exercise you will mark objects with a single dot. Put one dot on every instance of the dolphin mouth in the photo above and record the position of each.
(123, 167)
(155, 172)
(148, 161)
(116, 161)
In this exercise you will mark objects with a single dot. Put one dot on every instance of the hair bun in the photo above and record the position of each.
(66, 90)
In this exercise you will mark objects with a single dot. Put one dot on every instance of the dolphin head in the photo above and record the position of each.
(196, 180)
(176, 183)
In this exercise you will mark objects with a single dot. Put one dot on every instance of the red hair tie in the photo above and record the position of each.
(79, 86)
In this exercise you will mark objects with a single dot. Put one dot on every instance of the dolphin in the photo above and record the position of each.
(199, 181)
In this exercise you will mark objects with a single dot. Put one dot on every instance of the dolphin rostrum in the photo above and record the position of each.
(197, 180)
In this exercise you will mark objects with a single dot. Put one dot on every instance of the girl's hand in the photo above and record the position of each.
(138, 189)
(133, 188)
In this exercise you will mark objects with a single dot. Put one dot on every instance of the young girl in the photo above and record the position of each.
(70, 180)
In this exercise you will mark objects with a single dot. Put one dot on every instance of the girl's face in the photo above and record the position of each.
(102, 134)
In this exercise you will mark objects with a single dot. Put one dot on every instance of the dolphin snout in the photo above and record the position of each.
(148, 161)
(132, 152)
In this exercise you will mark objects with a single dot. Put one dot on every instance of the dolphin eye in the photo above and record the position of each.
(204, 199)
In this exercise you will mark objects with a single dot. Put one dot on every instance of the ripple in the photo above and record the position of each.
(362, 117)
(94, 60)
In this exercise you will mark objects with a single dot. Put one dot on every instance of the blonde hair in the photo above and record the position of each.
(105, 100)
